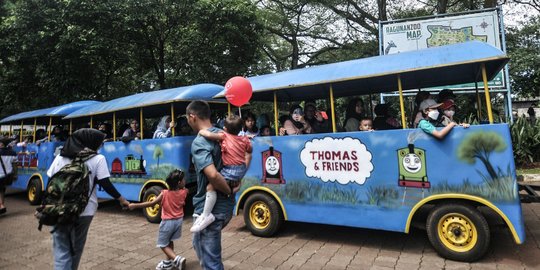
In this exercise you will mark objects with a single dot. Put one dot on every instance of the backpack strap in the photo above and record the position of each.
(3, 166)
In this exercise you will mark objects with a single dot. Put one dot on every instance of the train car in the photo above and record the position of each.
(383, 179)
(139, 167)
(37, 154)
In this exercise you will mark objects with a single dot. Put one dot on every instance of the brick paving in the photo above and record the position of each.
(124, 240)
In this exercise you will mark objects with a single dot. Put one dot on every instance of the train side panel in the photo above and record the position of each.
(134, 164)
(376, 179)
(35, 160)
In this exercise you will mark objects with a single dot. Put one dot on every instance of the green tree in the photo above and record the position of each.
(480, 145)
(188, 42)
(158, 153)
(523, 46)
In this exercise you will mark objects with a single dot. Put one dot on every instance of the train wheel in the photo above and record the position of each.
(34, 191)
(152, 214)
(262, 215)
(458, 232)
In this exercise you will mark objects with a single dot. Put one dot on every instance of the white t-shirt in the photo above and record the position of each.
(8, 164)
(98, 170)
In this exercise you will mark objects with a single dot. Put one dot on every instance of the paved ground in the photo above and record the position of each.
(124, 240)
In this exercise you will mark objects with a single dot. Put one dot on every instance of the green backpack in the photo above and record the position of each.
(67, 192)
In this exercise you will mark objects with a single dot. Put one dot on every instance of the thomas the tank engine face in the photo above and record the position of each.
(412, 163)
(272, 165)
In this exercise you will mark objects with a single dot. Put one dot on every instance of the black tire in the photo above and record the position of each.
(458, 232)
(152, 214)
(262, 215)
(34, 192)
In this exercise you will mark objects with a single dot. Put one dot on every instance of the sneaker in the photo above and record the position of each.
(179, 262)
(164, 265)
(202, 222)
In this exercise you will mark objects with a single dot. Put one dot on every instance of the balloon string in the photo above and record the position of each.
(240, 111)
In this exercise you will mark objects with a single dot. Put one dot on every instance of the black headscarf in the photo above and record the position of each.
(351, 110)
(297, 124)
(83, 138)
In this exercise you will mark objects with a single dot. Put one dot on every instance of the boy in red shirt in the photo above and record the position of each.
(172, 215)
(236, 154)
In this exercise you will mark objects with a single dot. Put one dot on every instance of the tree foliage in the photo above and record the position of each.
(480, 145)
(54, 52)
(523, 47)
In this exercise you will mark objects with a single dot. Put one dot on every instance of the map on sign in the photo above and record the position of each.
(443, 35)
(402, 36)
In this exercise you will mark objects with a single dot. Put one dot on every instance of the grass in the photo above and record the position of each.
(308, 191)
(528, 171)
(502, 188)
(381, 194)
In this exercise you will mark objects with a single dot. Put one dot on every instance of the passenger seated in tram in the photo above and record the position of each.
(444, 95)
(41, 136)
(430, 112)
(182, 128)
(296, 124)
(164, 128)
(58, 134)
(384, 120)
(133, 132)
(353, 114)
(265, 131)
(316, 120)
(448, 109)
(106, 128)
(262, 120)
(420, 96)
(250, 126)
(366, 124)
(25, 141)
(281, 120)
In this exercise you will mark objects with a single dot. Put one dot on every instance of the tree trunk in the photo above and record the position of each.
(161, 55)
(441, 6)
(490, 3)
(295, 54)
(488, 166)
(382, 10)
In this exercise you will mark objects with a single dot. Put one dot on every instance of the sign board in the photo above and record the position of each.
(416, 34)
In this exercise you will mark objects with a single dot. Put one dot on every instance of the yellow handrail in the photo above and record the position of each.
(276, 124)
(486, 91)
(35, 122)
(114, 125)
(141, 125)
(20, 132)
(49, 128)
(172, 118)
(333, 110)
(401, 103)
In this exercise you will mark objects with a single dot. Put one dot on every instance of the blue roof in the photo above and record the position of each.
(436, 66)
(58, 111)
(187, 93)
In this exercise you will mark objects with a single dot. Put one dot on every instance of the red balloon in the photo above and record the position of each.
(238, 91)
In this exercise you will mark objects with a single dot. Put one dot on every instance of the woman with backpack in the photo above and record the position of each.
(69, 239)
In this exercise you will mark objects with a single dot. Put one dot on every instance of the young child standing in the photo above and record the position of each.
(172, 215)
(236, 154)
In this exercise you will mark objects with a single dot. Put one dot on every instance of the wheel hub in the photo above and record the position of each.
(31, 193)
(457, 232)
(154, 210)
(260, 215)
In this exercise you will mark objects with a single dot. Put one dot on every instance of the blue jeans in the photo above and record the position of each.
(207, 243)
(68, 243)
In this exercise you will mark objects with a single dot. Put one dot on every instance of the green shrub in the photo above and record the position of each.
(525, 141)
